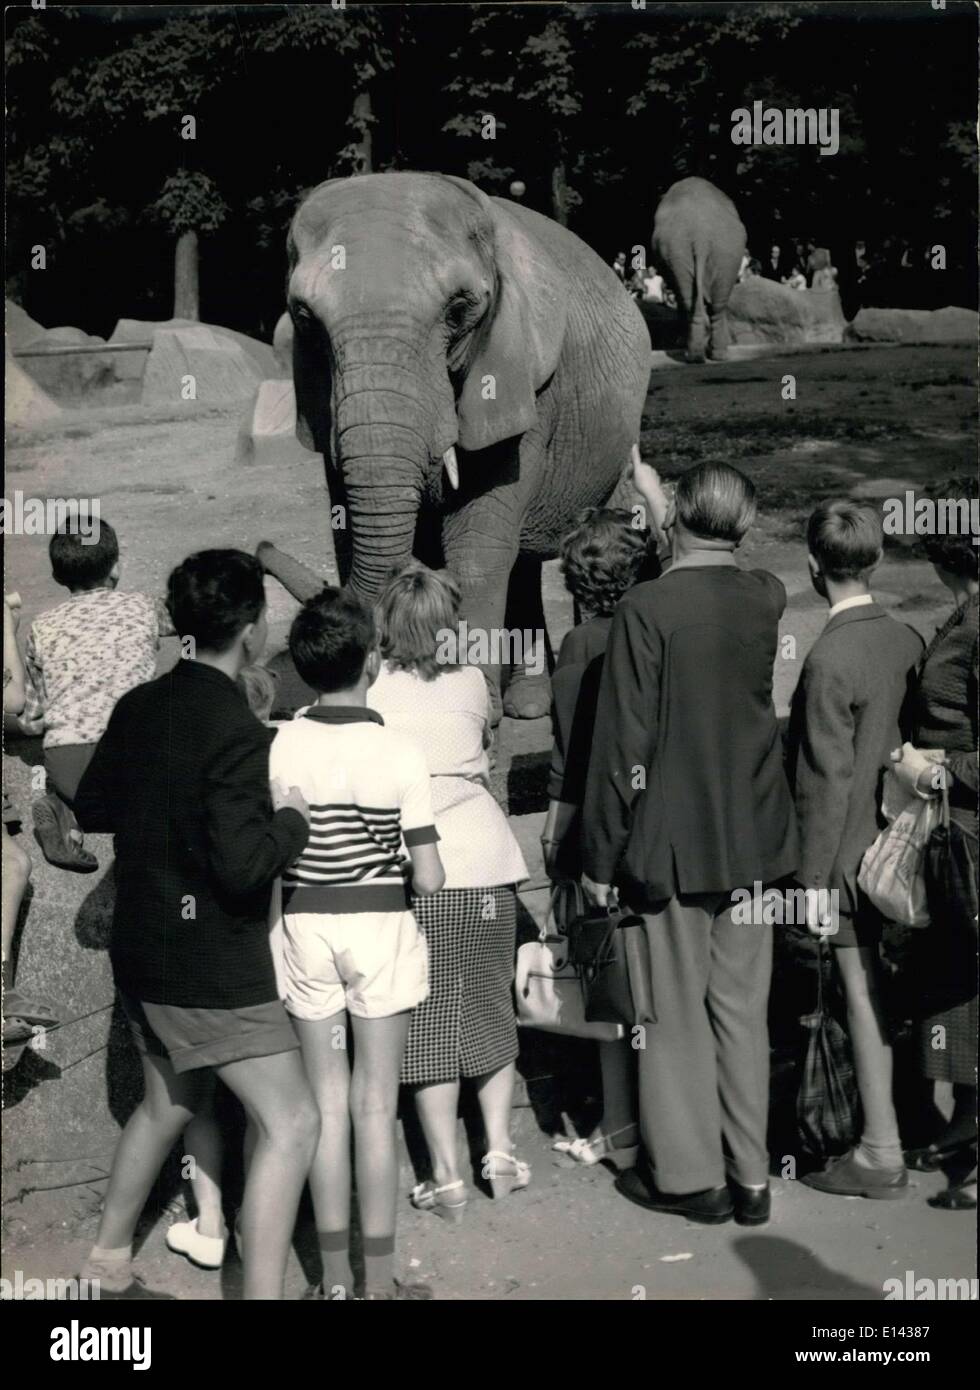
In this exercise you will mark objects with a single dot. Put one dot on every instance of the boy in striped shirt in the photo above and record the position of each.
(351, 947)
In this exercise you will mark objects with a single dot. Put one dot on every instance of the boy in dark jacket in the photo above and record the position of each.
(845, 719)
(181, 778)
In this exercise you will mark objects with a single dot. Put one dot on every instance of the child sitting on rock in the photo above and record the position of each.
(81, 657)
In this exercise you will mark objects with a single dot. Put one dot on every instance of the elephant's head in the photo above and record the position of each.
(424, 318)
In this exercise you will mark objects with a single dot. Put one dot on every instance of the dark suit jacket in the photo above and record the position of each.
(686, 790)
(846, 717)
(181, 778)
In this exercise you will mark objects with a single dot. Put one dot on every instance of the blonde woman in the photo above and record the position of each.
(466, 1027)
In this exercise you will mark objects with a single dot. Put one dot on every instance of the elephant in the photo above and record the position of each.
(698, 245)
(473, 375)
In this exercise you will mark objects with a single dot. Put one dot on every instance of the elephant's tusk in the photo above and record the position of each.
(452, 467)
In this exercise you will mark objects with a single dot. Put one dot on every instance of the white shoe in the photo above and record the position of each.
(206, 1251)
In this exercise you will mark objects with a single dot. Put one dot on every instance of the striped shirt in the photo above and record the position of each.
(368, 791)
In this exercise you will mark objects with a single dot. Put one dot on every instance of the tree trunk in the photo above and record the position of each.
(559, 192)
(186, 304)
(362, 121)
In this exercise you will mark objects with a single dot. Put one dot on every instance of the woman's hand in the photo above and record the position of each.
(646, 480)
(917, 769)
(597, 893)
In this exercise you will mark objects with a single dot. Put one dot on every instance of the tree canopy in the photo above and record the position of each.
(129, 128)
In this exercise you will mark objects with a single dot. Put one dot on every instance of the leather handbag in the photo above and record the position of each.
(548, 988)
(951, 874)
(609, 950)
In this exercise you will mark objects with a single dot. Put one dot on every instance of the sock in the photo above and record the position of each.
(874, 1155)
(112, 1268)
(335, 1254)
(379, 1263)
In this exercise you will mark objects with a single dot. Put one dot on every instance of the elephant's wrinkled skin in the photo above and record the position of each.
(698, 245)
(434, 323)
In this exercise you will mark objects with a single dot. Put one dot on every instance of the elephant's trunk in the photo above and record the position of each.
(382, 501)
(382, 409)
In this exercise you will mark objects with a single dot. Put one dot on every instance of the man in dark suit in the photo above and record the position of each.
(181, 779)
(845, 719)
(687, 802)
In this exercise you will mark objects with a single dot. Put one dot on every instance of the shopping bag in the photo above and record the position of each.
(547, 986)
(892, 872)
(827, 1104)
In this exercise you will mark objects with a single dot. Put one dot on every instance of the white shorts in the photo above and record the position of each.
(372, 964)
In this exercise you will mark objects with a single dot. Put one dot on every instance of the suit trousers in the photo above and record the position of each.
(704, 1068)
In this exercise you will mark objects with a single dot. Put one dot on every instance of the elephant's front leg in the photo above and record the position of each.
(480, 544)
(527, 692)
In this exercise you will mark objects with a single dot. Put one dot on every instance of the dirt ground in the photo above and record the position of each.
(871, 422)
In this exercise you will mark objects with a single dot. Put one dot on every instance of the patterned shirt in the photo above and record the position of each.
(83, 655)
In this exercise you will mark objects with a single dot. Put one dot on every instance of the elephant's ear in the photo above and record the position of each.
(519, 346)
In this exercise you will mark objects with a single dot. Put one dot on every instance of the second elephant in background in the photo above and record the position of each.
(698, 245)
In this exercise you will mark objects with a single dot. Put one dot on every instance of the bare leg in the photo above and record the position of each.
(278, 1102)
(168, 1104)
(438, 1107)
(872, 1054)
(16, 876)
(204, 1147)
(328, 1068)
(495, 1092)
(379, 1044)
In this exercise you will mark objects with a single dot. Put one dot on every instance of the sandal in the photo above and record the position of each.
(932, 1156)
(51, 833)
(425, 1196)
(505, 1173)
(29, 1011)
(600, 1149)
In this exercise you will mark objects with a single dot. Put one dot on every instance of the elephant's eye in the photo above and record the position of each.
(459, 309)
(303, 316)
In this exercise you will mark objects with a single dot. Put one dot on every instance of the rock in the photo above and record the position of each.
(71, 377)
(949, 325)
(25, 403)
(70, 1096)
(133, 364)
(222, 371)
(268, 434)
(20, 327)
(760, 311)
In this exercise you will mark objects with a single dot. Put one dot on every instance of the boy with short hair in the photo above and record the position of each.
(351, 943)
(181, 778)
(81, 657)
(845, 719)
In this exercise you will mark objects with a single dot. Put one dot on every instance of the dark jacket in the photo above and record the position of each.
(945, 707)
(181, 778)
(846, 717)
(686, 790)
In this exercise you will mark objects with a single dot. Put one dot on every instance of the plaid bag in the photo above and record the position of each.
(827, 1105)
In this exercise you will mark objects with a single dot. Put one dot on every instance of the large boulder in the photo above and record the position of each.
(68, 377)
(21, 329)
(268, 434)
(221, 370)
(762, 311)
(132, 364)
(949, 325)
(25, 403)
(68, 1098)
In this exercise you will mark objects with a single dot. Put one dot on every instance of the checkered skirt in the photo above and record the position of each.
(466, 1027)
